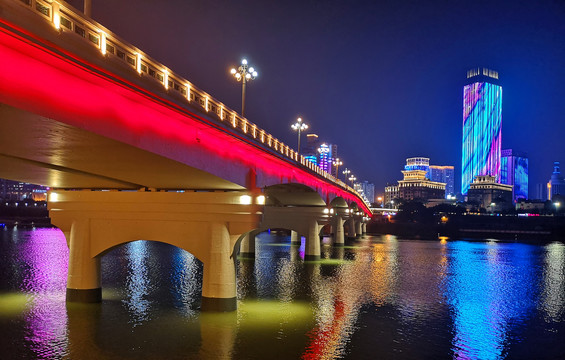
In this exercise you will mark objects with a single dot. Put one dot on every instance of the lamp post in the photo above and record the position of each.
(337, 163)
(346, 172)
(244, 73)
(299, 126)
(352, 178)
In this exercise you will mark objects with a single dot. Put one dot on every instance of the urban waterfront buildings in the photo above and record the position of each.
(416, 185)
(485, 192)
(444, 174)
(367, 190)
(482, 125)
(18, 191)
(556, 184)
(514, 171)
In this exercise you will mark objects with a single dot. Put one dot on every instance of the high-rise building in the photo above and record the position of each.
(514, 171)
(367, 190)
(325, 157)
(444, 174)
(482, 125)
(556, 184)
(310, 149)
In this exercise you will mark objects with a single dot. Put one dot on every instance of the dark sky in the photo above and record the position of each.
(382, 79)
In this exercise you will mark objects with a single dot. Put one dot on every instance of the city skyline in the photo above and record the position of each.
(349, 69)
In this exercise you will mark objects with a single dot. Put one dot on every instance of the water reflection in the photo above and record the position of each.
(490, 290)
(381, 297)
(553, 297)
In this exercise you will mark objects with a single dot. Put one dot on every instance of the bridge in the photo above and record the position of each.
(132, 150)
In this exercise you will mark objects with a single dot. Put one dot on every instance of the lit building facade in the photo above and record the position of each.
(18, 191)
(391, 194)
(556, 184)
(514, 171)
(444, 174)
(416, 186)
(325, 157)
(482, 125)
(367, 190)
(310, 149)
(487, 193)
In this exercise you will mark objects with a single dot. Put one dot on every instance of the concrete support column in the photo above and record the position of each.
(83, 281)
(358, 230)
(294, 238)
(351, 229)
(247, 246)
(218, 283)
(364, 228)
(312, 247)
(339, 238)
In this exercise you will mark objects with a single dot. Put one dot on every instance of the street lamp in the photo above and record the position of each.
(352, 178)
(346, 172)
(299, 126)
(337, 163)
(244, 73)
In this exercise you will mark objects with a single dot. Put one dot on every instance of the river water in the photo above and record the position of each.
(379, 298)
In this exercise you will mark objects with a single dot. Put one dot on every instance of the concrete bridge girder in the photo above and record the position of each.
(206, 224)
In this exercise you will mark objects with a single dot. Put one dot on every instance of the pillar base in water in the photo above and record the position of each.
(247, 255)
(218, 304)
(338, 244)
(311, 257)
(84, 295)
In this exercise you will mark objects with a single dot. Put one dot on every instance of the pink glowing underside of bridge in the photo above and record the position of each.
(40, 77)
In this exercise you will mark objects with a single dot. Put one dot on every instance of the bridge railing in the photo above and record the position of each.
(65, 18)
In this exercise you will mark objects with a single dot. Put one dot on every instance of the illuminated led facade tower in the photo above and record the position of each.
(514, 171)
(482, 125)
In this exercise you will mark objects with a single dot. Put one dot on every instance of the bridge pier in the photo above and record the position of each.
(247, 246)
(83, 279)
(206, 224)
(339, 238)
(218, 282)
(351, 234)
(294, 238)
(358, 228)
(312, 246)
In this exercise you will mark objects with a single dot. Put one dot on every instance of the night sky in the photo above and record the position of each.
(381, 79)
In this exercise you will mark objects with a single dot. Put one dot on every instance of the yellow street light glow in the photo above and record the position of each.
(233, 71)
(261, 200)
(245, 200)
(188, 92)
(57, 20)
(206, 103)
(138, 63)
(103, 43)
(326, 211)
(53, 197)
(166, 80)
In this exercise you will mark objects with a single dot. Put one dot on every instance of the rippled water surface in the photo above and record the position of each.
(378, 298)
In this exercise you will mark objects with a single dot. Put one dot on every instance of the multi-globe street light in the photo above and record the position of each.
(352, 178)
(346, 172)
(337, 163)
(244, 73)
(299, 126)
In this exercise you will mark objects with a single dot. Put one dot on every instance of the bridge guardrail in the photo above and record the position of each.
(67, 19)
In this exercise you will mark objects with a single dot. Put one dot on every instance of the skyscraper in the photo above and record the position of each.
(444, 174)
(514, 171)
(482, 125)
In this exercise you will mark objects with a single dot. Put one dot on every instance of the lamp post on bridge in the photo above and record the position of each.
(299, 126)
(244, 73)
(346, 172)
(352, 178)
(337, 163)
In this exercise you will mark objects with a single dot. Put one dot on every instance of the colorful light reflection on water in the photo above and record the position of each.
(378, 298)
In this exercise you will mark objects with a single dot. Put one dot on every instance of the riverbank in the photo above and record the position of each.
(538, 228)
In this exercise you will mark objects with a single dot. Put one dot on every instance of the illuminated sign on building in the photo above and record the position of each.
(482, 125)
